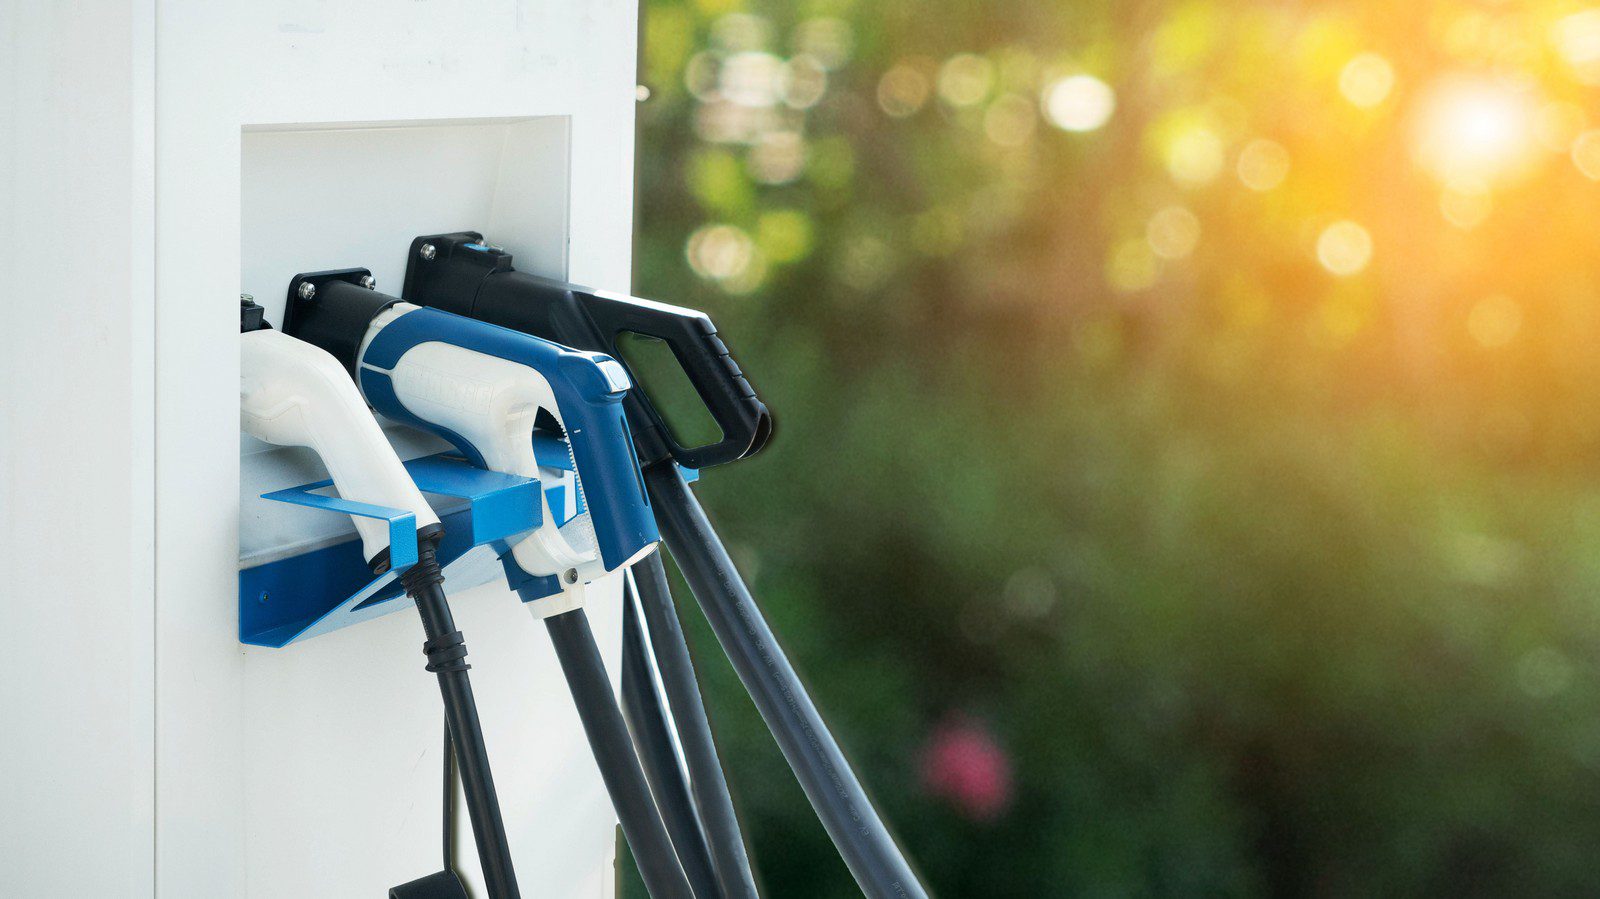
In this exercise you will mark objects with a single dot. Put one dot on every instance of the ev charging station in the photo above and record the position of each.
(184, 153)
(217, 674)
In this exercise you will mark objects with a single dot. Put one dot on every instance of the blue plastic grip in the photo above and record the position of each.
(590, 406)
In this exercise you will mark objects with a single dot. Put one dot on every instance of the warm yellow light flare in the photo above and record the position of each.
(1366, 80)
(1586, 154)
(1079, 103)
(1263, 164)
(1344, 248)
(1494, 321)
(1196, 156)
(1173, 232)
(1577, 39)
(1471, 129)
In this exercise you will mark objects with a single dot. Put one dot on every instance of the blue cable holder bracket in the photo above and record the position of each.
(330, 587)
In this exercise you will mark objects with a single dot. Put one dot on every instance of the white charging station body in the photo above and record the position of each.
(168, 155)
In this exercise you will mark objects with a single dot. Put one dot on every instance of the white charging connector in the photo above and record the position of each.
(493, 403)
(294, 394)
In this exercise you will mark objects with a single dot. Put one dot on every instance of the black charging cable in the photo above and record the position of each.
(448, 801)
(446, 651)
(651, 727)
(613, 753)
(660, 635)
(857, 830)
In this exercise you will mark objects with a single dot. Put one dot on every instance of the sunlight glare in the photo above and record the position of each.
(1474, 130)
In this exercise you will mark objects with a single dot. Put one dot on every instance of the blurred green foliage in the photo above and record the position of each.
(1199, 395)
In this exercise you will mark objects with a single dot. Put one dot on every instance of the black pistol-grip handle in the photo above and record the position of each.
(743, 419)
(460, 274)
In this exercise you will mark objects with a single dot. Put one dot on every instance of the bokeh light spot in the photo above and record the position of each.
(1493, 321)
(720, 252)
(1079, 103)
(1195, 156)
(700, 76)
(965, 79)
(1173, 232)
(802, 82)
(868, 263)
(750, 79)
(778, 157)
(1263, 164)
(902, 91)
(1344, 248)
(1586, 154)
(1366, 80)
(1577, 39)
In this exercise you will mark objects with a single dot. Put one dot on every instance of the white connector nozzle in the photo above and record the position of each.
(294, 394)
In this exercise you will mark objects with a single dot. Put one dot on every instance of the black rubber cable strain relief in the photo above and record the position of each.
(425, 573)
(446, 651)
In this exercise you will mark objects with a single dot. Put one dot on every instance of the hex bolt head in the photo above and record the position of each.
(307, 290)
(428, 252)
(369, 282)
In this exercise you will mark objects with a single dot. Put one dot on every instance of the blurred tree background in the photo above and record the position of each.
(1187, 477)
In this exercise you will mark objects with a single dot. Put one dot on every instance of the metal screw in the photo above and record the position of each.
(263, 596)
(307, 290)
(246, 298)
(571, 575)
(428, 252)
(369, 282)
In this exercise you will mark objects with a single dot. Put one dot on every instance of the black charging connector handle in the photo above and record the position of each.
(458, 273)
(333, 310)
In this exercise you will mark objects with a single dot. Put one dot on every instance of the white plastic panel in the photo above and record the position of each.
(162, 757)
(312, 771)
(354, 196)
(77, 450)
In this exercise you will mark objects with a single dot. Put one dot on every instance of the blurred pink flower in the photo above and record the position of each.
(963, 763)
